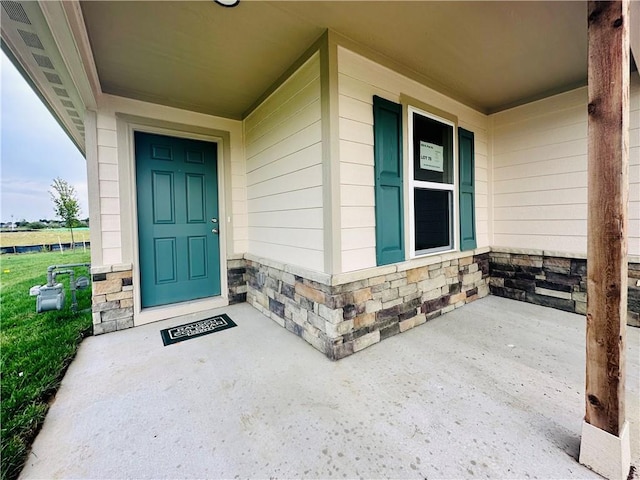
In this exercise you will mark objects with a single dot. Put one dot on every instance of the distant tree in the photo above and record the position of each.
(65, 204)
(36, 225)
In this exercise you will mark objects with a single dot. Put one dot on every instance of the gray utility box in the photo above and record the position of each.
(50, 298)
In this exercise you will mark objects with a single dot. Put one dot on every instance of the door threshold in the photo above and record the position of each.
(192, 310)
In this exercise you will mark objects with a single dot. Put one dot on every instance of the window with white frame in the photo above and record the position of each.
(433, 198)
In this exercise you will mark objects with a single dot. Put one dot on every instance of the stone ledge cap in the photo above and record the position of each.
(574, 255)
(518, 251)
(309, 274)
(121, 267)
(101, 269)
(357, 275)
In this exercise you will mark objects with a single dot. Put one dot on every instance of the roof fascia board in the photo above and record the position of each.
(75, 17)
(70, 41)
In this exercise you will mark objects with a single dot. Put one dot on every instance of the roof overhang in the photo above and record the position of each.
(203, 57)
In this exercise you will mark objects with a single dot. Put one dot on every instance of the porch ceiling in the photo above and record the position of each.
(215, 60)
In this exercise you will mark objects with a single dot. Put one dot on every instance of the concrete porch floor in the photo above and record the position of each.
(491, 390)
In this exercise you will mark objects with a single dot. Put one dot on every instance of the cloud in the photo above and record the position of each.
(33, 150)
(29, 199)
(21, 107)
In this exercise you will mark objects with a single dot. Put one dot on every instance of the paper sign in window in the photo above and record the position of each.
(431, 157)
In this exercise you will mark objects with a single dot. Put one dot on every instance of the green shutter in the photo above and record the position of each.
(467, 187)
(387, 139)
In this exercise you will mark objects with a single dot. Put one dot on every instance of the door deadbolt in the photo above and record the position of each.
(214, 220)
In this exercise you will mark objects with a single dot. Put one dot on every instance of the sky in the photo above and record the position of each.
(33, 151)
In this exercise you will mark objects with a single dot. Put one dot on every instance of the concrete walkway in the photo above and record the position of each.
(491, 390)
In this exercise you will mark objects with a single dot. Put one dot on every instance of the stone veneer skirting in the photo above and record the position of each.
(237, 279)
(112, 298)
(342, 314)
(552, 279)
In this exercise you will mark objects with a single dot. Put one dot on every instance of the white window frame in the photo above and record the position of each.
(413, 184)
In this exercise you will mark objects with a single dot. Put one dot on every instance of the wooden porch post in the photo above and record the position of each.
(605, 435)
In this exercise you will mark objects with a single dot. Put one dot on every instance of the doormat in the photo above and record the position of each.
(196, 329)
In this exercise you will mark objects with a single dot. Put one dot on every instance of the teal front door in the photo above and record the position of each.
(179, 245)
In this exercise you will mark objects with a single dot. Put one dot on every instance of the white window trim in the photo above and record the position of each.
(412, 184)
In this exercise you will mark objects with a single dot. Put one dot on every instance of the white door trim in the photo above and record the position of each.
(126, 126)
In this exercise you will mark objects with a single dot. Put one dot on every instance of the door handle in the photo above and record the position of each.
(215, 230)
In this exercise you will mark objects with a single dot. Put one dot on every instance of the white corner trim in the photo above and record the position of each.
(331, 194)
(606, 454)
(93, 184)
(634, 33)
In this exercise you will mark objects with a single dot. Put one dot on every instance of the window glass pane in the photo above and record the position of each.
(432, 218)
(432, 150)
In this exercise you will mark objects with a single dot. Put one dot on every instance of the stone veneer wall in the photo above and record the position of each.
(237, 280)
(112, 294)
(340, 315)
(112, 298)
(343, 314)
(552, 279)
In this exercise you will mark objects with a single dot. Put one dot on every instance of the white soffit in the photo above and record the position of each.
(199, 55)
(204, 57)
(492, 55)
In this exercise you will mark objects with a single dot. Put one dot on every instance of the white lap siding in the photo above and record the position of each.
(540, 173)
(359, 79)
(283, 145)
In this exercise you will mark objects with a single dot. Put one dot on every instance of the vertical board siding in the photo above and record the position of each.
(283, 139)
(359, 79)
(540, 173)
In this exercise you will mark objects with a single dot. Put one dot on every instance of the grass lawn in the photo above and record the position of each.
(35, 349)
(42, 237)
